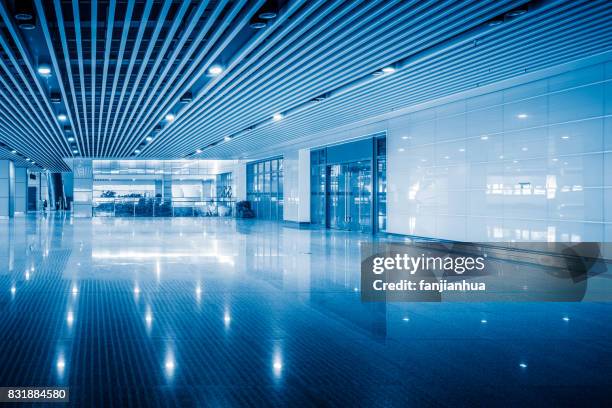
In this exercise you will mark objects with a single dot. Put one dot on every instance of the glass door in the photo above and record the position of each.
(349, 196)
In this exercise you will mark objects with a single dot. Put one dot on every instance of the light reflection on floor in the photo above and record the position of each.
(184, 312)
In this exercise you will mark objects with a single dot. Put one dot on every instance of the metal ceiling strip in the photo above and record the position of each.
(33, 75)
(127, 21)
(94, 45)
(136, 48)
(161, 78)
(158, 60)
(257, 63)
(80, 135)
(143, 65)
(77, 29)
(108, 44)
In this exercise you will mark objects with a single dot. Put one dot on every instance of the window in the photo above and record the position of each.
(265, 188)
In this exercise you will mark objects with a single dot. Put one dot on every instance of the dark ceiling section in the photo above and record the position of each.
(172, 79)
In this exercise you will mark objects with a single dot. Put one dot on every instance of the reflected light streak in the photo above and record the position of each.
(60, 365)
(149, 255)
(277, 362)
(149, 318)
(169, 364)
(70, 318)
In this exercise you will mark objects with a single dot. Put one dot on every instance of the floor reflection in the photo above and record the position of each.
(188, 312)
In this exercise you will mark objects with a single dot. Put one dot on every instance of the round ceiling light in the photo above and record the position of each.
(257, 24)
(215, 70)
(44, 69)
(27, 25)
(517, 12)
(170, 117)
(267, 15)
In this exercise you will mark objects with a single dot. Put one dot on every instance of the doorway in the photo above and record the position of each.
(349, 201)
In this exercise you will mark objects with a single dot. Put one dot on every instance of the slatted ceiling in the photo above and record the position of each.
(561, 34)
(375, 35)
(121, 66)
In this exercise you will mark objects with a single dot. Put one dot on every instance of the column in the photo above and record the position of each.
(21, 188)
(7, 188)
(83, 188)
(304, 186)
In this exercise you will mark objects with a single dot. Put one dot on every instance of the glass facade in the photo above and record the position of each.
(163, 188)
(265, 188)
(318, 180)
(381, 183)
(342, 178)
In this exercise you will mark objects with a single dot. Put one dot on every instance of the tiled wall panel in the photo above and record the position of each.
(529, 163)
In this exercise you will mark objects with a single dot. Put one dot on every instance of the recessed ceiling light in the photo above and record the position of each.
(277, 116)
(257, 24)
(268, 14)
(215, 70)
(62, 118)
(198, 151)
(137, 151)
(148, 138)
(71, 139)
(495, 22)
(14, 151)
(23, 16)
(44, 69)
(522, 116)
(75, 151)
(170, 117)
(388, 70)
(484, 137)
(227, 138)
(517, 12)
(27, 25)
(564, 137)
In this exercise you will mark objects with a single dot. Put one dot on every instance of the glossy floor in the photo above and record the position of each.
(213, 312)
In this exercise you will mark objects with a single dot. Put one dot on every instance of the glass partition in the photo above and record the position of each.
(163, 188)
(265, 188)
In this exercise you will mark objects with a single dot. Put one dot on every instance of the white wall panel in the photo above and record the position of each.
(529, 163)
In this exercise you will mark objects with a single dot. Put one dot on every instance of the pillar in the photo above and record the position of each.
(7, 188)
(21, 188)
(82, 173)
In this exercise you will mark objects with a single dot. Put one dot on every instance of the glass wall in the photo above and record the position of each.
(381, 185)
(318, 180)
(265, 188)
(162, 188)
(342, 179)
